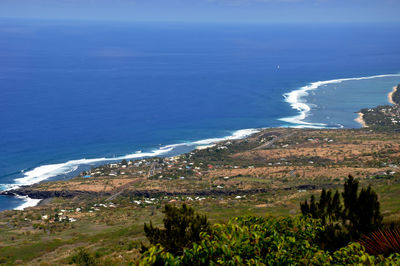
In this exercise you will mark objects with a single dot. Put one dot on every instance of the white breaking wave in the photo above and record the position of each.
(296, 100)
(44, 172)
(239, 134)
(28, 202)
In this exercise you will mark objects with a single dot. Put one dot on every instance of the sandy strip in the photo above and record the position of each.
(361, 120)
(203, 147)
(390, 95)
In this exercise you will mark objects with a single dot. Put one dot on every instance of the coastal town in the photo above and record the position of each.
(385, 116)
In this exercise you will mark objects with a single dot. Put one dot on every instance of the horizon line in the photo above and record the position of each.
(112, 20)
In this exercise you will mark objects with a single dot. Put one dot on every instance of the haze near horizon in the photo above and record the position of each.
(239, 11)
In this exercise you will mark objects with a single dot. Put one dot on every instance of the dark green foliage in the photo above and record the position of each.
(359, 214)
(368, 217)
(361, 211)
(328, 209)
(83, 258)
(182, 228)
(264, 241)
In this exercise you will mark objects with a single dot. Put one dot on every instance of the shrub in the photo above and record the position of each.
(359, 214)
(248, 240)
(264, 241)
(182, 228)
(83, 258)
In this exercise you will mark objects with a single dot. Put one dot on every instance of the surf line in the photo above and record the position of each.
(44, 172)
(296, 100)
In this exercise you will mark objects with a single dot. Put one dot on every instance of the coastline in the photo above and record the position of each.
(294, 98)
(42, 173)
(390, 95)
(28, 202)
(269, 172)
(221, 166)
(360, 120)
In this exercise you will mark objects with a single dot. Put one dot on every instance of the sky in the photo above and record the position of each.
(206, 10)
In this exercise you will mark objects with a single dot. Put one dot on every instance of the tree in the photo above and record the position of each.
(359, 214)
(361, 211)
(368, 211)
(83, 258)
(328, 209)
(182, 228)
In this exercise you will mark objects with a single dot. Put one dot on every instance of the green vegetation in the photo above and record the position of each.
(83, 258)
(359, 214)
(396, 95)
(182, 228)
(321, 235)
(264, 241)
(384, 117)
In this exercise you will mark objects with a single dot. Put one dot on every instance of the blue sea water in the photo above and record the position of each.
(82, 90)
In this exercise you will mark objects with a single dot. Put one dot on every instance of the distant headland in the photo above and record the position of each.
(386, 116)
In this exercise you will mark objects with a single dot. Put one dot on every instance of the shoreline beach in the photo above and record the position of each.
(390, 95)
(360, 119)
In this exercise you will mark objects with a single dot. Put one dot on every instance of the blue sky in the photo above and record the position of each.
(206, 10)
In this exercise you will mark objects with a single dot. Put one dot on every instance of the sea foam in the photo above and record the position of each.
(296, 100)
(28, 202)
(44, 172)
(239, 134)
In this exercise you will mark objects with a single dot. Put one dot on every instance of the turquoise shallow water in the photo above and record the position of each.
(73, 95)
(353, 96)
(334, 103)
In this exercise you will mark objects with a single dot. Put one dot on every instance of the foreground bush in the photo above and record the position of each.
(182, 228)
(82, 257)
(264, 241)
(344, 222)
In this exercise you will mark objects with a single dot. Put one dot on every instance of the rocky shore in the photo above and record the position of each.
(46, 194)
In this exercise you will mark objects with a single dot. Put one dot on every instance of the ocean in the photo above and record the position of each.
(75, 94)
